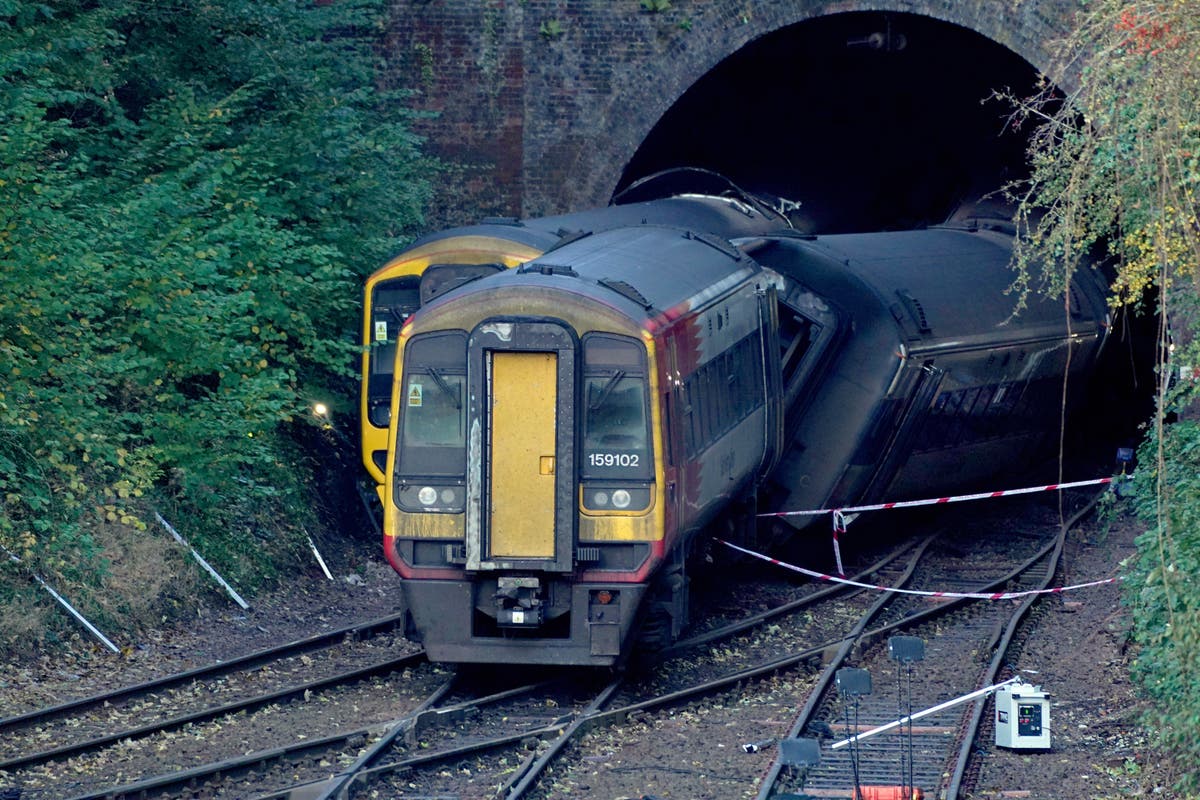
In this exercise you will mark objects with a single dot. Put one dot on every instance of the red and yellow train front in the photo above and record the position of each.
(524, 509)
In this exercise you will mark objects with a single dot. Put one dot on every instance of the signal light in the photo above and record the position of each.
(604, 597)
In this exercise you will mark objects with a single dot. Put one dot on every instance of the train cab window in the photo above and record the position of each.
(433, 405)
(392, 302)
(616, 432)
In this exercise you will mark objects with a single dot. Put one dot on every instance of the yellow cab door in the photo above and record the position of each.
(522, 453)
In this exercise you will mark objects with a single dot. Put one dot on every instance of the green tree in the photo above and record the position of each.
(190, 196)
(1115, 170)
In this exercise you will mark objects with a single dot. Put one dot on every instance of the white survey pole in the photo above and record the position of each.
(320, 560)
(200, 560)
(941, 707)
(70, 608)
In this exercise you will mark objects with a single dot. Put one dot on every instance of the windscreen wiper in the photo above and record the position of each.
(445, 387)
(606, 390)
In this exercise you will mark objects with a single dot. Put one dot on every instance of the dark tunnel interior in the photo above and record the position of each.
(872, 121)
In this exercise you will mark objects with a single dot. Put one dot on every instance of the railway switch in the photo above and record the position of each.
(1022, 717)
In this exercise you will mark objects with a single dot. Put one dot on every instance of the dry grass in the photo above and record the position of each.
(149, 578)
(141, 581)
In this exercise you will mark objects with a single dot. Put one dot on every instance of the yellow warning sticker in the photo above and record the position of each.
(414, 395)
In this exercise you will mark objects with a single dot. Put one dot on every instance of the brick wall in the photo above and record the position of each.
(540, 103)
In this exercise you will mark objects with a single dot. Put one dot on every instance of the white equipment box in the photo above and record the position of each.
(1022, 717)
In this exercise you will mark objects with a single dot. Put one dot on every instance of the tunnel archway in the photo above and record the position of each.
(870, 119)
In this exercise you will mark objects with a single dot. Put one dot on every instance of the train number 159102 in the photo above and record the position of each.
(614, 459)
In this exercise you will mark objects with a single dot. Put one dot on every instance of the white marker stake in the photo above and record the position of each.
(320, 560)
(70, 608)
(200, 560)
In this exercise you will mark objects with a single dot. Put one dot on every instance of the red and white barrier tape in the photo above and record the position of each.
(937, 500)
(880, 588)
(839, 514)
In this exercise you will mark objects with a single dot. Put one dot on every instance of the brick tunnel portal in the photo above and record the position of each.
(871, 121)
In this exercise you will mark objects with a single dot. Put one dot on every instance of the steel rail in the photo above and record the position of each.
(591, 720)
(148, 787)
(529, 772)
(1000, 654)
(299, 646)
(750, 622)
(872, 636)
(567, 728)
(827, 675)
(174, 723)
(424, 719)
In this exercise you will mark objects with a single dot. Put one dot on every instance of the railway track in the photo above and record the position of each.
(463, 755)
(40, 746)
(967, 648)
(739, 682)
(356, 754)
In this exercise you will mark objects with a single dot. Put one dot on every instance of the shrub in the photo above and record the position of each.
(190, 195)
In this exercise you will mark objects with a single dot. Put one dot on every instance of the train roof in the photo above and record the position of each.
(940, 284)
(727, 217)
(642, 270)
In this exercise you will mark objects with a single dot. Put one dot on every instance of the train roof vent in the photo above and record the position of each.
(624, 289)
(546, 269)
(566, 236)
(717, 243)
(916, 312)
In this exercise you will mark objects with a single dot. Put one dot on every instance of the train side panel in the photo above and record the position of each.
(941, 385)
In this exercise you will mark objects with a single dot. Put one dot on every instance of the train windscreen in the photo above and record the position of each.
(433, 406)
(616, 428)
(392, 301)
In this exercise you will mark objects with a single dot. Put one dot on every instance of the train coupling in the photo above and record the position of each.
(519, 602)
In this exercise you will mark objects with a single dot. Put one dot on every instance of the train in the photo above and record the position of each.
(435, 263)
(564, 434)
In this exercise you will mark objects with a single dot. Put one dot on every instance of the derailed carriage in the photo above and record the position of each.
(564, 432)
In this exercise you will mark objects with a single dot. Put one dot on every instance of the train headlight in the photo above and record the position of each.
(426, 499)
(615, 499)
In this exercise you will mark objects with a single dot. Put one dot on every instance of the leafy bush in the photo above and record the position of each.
(190, 195)
(1117, 166)
(1162, 586)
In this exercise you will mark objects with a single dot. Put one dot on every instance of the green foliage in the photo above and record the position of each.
(1115, 171)
(190, 195)
(551, 29)
(1118, 164)
(656, 6)
(1163, 584)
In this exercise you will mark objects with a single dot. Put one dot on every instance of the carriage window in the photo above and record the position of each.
(433, 407)
(615, 422)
